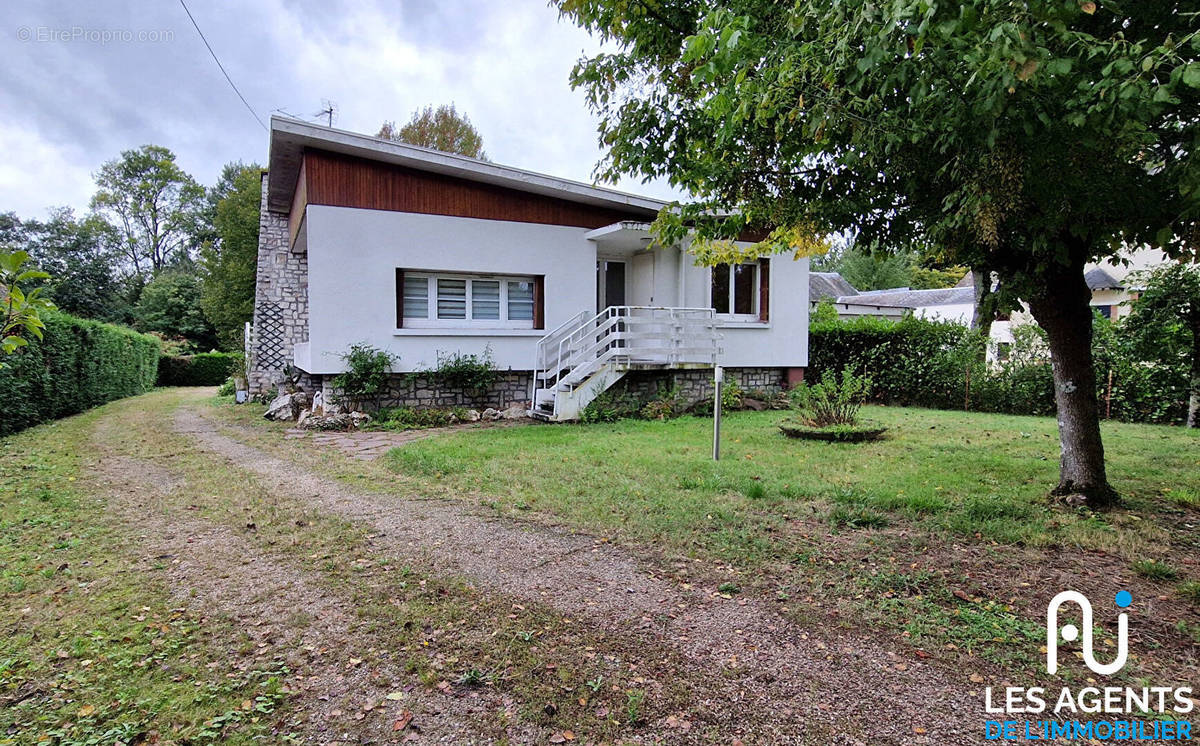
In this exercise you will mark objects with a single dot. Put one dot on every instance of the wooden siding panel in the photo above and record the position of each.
(299, 202)
(343, 181)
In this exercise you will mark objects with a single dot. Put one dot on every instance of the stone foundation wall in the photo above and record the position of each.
(421, 390)
(696, 385)
(280, 304)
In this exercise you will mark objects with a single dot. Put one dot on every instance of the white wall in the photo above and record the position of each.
(353, 254)
(782, 341)
(960, 313)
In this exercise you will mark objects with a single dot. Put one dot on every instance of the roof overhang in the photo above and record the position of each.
(290, 138)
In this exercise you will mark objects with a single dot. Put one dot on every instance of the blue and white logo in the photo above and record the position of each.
(1071, 633)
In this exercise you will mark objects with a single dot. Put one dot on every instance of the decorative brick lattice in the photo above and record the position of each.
(268, 334)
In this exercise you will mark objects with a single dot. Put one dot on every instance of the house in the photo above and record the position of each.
(427, 254)
(833, 288)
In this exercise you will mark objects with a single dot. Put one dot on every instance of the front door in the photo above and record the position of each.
(610, 284)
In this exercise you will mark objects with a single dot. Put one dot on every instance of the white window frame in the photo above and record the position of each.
(755, 296)
(432, 322)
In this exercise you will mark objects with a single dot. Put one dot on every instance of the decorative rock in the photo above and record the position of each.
(358, 419)
(303, 417)
(286, 407)
(490, 414)
(327, 422)
(515, 412)
(472, 415)
(755, 405)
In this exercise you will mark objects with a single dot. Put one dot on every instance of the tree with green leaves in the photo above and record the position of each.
(170, 306)
(1165, 322)
(229, 261)
(82, 257)
(441, 129)
(1021, 139)
(20, 307)
(154, 205)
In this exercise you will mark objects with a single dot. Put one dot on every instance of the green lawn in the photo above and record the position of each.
(96, 651)
(941, 534)
(948, 473)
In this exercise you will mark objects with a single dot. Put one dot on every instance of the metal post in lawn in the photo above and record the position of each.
(718, 379)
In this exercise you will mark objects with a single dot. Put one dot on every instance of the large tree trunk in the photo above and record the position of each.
(1063, 310)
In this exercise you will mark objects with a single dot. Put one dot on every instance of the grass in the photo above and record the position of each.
(953, 503)
(1154, 569)
(169, 670)
(956, 474)
(962, 493)
(98, 652)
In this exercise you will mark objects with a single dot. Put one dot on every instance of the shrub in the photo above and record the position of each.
(911, 362)
(203, 369)
(227, 388)
(831, 402)
(666, 405)
(368, 374)
(916, 362)
(77, 365)
(465, 372)
(611, 406)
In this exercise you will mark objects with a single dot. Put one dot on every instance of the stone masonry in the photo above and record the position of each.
(280, 303)
(697, 385)
(421, 390)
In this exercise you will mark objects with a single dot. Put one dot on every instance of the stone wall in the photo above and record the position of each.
(280, 304)
(696, 385)
(422, 390)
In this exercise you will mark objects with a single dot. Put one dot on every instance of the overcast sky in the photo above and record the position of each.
(72, 100)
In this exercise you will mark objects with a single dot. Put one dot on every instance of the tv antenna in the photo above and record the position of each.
(328, 110)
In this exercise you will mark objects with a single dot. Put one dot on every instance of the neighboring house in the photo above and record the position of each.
(428, 254)
(1111, 286)
(832, 287)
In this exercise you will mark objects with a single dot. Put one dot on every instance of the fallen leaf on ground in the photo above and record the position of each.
(402, 722)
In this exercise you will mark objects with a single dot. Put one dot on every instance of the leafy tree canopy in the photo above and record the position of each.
(82, 257)
(1024, 139)
(155, 206)
(1165, 322)
(170, 306)
(229, 261)
(441, 129)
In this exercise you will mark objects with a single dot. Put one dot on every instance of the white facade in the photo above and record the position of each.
(353, 255)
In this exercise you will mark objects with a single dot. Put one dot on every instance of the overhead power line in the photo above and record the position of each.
(249, 108)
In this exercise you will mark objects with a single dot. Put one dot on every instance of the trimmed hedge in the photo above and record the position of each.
(911, 362)
(79, 364)
(203, 369)
(914, 362)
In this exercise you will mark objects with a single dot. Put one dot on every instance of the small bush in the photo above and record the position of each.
(203, 369)
(831, 402)
(368, 374)
(227, 388)
(666, 405)
(611, 406)
(469, 373)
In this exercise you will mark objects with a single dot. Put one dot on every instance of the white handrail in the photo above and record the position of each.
(627, 334)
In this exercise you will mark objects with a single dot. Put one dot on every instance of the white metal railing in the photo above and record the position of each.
(625, 334)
